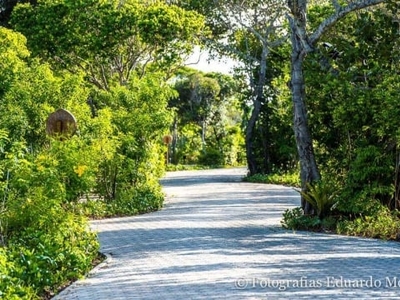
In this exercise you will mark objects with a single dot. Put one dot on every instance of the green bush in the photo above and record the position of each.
(45, 246)
(283, 178)
(47, 259)
(76, 164)
(137, 200)
(179, 167)
(296, 220)
(128, 203)
(12, 287)
(370, 178)
(211, 157)
(39, 259)
(383, 223)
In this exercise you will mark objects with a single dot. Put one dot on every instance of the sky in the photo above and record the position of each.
(223, 66)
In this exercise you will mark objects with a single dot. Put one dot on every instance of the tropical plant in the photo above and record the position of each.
(322, 196)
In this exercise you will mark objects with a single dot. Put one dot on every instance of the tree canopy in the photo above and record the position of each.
(106, 39)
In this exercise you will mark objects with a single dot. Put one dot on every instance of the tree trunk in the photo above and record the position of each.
(266, 153)
(251, 160)
(396, 200)
(203, 133)
(258, 96)
(174, 158)
(303, 43)
(308, 167)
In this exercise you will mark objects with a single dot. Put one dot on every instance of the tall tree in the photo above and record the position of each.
(248, 31)
(197, 97)
(353, 109)
(304, 42)
(107, 40)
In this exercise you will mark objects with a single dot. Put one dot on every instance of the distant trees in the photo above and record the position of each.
(206, 109)
(251, 32)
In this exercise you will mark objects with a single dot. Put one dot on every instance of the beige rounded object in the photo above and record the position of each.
(167, 139)
(61, 123)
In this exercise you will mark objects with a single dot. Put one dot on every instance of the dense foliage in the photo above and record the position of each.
(206, 128)
(117, 67)
(43, 246)
(353, 81)
(251, 33)
(114, 83)
(342, 72)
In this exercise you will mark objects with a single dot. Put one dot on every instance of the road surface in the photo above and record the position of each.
(220, 238)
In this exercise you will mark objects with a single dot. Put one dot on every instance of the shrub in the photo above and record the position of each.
(136, 200)
(39, 259)
(211, 157)
(383, 223)
(283, 178)
(48, 258)
(369, 178)
(296, 220)
(322, 196)
(45, 245)
(179, 167)
(76, 166)
(129, 202)
(12, 287)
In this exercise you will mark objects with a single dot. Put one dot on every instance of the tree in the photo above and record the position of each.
(197, 96)
(304, 43)
(108, 40)
(248, 31)
(12, 53)
(203, 105)
(353, 108)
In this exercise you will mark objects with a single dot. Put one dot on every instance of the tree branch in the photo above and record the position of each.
(340, 13)
(336, 5)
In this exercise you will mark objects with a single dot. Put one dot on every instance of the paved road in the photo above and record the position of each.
(219, 238)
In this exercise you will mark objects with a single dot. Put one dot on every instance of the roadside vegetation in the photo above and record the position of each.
(283, 178)
(117, 67)
(114, 81)
(343, 141)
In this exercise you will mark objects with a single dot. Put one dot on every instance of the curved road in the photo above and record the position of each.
(219, 238)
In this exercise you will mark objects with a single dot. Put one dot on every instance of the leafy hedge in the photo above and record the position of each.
(117, 154)
(44, 260)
